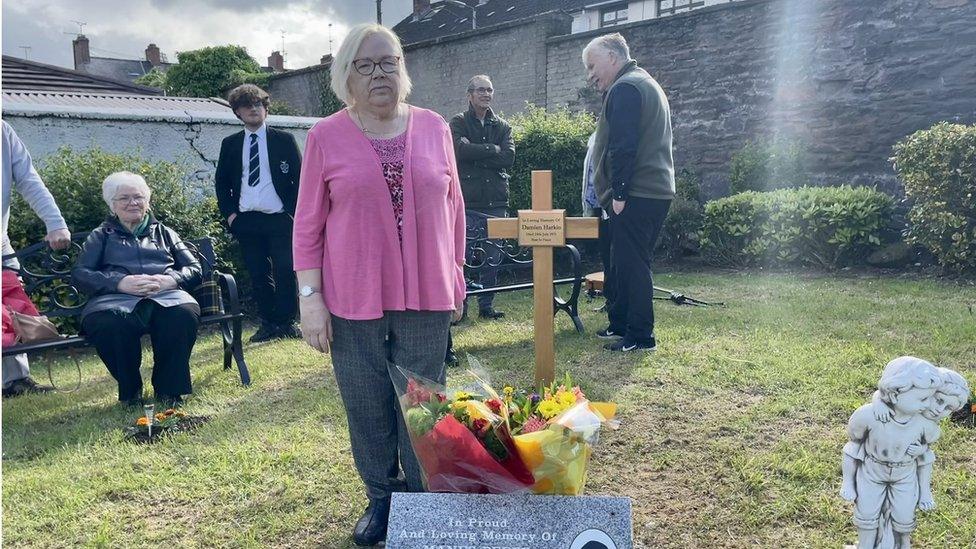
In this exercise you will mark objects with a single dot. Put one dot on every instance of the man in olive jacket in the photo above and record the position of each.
(633, 182)
(484, 149)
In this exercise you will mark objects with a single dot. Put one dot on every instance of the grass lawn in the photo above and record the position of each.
(731, 435)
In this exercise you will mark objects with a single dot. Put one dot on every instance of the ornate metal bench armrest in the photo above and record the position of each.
(231, 296)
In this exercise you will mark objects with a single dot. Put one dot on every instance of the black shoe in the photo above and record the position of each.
(289, 331)
(25, 386)
(490, 314)
(371, 528)
(608, 333)
(451, 359)
(266, 332)
(170, 401)
(627, 345)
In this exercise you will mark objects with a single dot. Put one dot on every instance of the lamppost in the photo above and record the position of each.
(474, 10)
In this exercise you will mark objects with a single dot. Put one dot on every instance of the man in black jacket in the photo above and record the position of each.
(257, 187)
(484, 148)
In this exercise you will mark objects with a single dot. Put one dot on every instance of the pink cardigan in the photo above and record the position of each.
(344, 221)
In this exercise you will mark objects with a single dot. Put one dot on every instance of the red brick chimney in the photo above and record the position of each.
(276, 61)
(419, 8)
(153, 55)
(82, 54)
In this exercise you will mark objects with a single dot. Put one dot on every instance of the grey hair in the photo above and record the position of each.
(612, 43)
(476, 77)
(112, 183)
(342, 62)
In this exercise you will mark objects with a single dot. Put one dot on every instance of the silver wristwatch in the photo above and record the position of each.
(306, 291)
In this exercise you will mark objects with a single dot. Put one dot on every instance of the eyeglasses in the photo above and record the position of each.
(481, 91)
(138, 199)
(367, 67)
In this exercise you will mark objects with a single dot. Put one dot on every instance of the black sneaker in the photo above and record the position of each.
(627, 345)
(25, 386)
(266, 332)
(289, 331)
(490, 314)
(608, 334)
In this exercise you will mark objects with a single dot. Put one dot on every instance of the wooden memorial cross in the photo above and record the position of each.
(542, 228)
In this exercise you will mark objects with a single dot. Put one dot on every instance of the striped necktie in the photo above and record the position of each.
(254, 163)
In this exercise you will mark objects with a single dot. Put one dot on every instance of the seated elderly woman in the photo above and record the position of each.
(136, 272)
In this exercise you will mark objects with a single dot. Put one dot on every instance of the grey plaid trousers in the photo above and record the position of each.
(362, 351)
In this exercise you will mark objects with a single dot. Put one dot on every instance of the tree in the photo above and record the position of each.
(208, 72)
(154, 79)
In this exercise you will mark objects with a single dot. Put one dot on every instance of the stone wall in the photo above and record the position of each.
(171, 136)
(848, 79)
(301, 89)
(512, 54)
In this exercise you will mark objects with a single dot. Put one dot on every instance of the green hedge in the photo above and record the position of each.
(75, 180)
(824, 226)
(767, 165)
(553, 141)
(938, 168)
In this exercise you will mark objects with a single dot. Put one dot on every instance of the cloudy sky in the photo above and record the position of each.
(123, 29)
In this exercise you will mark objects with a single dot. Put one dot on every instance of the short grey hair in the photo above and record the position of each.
(112, 183)
(612, 43)
(342, 62)
(477, 77)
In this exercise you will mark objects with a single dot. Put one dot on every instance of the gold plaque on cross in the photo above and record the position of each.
(542, 227)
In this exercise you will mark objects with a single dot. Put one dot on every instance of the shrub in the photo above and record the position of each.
(938, 168)
(680, 233)
(553, 141)
(767, 165)
(75, 181)
(823, 226)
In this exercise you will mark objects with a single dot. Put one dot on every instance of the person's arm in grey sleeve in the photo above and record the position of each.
(28, 184)
(623, 118)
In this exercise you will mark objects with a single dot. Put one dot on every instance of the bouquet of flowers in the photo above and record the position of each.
(462, 443)
(555, 429)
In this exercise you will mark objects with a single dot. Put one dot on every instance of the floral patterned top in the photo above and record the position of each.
(391, 153)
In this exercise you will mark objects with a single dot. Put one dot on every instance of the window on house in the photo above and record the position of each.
(668, 7)
(613, 15)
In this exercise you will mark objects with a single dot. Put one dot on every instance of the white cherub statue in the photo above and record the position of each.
(887, 465)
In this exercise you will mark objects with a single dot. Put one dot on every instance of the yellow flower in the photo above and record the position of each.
(548, 408)
(462, 395)
(509, 390)
(566, 399)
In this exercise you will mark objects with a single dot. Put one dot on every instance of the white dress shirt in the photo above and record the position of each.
(261, 197)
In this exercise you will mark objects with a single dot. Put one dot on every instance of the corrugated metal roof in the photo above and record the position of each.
(22, 74)
(148, 103)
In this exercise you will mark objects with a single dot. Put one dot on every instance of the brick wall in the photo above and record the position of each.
(513, 55)
(848, 79)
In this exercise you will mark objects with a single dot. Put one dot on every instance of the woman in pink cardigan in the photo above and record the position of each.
(378, 249)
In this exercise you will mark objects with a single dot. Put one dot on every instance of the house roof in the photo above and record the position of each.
(22, 74)
(445, 19)
(120, 69)
(147, 103)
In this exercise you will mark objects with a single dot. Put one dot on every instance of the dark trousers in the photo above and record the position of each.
(633, 234)
(488, 274)
(362, 352)
(266, 246)
(117, 338)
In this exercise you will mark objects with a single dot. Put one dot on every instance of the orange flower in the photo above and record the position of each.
(160, 416)
(142, 422)
(169, 412)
